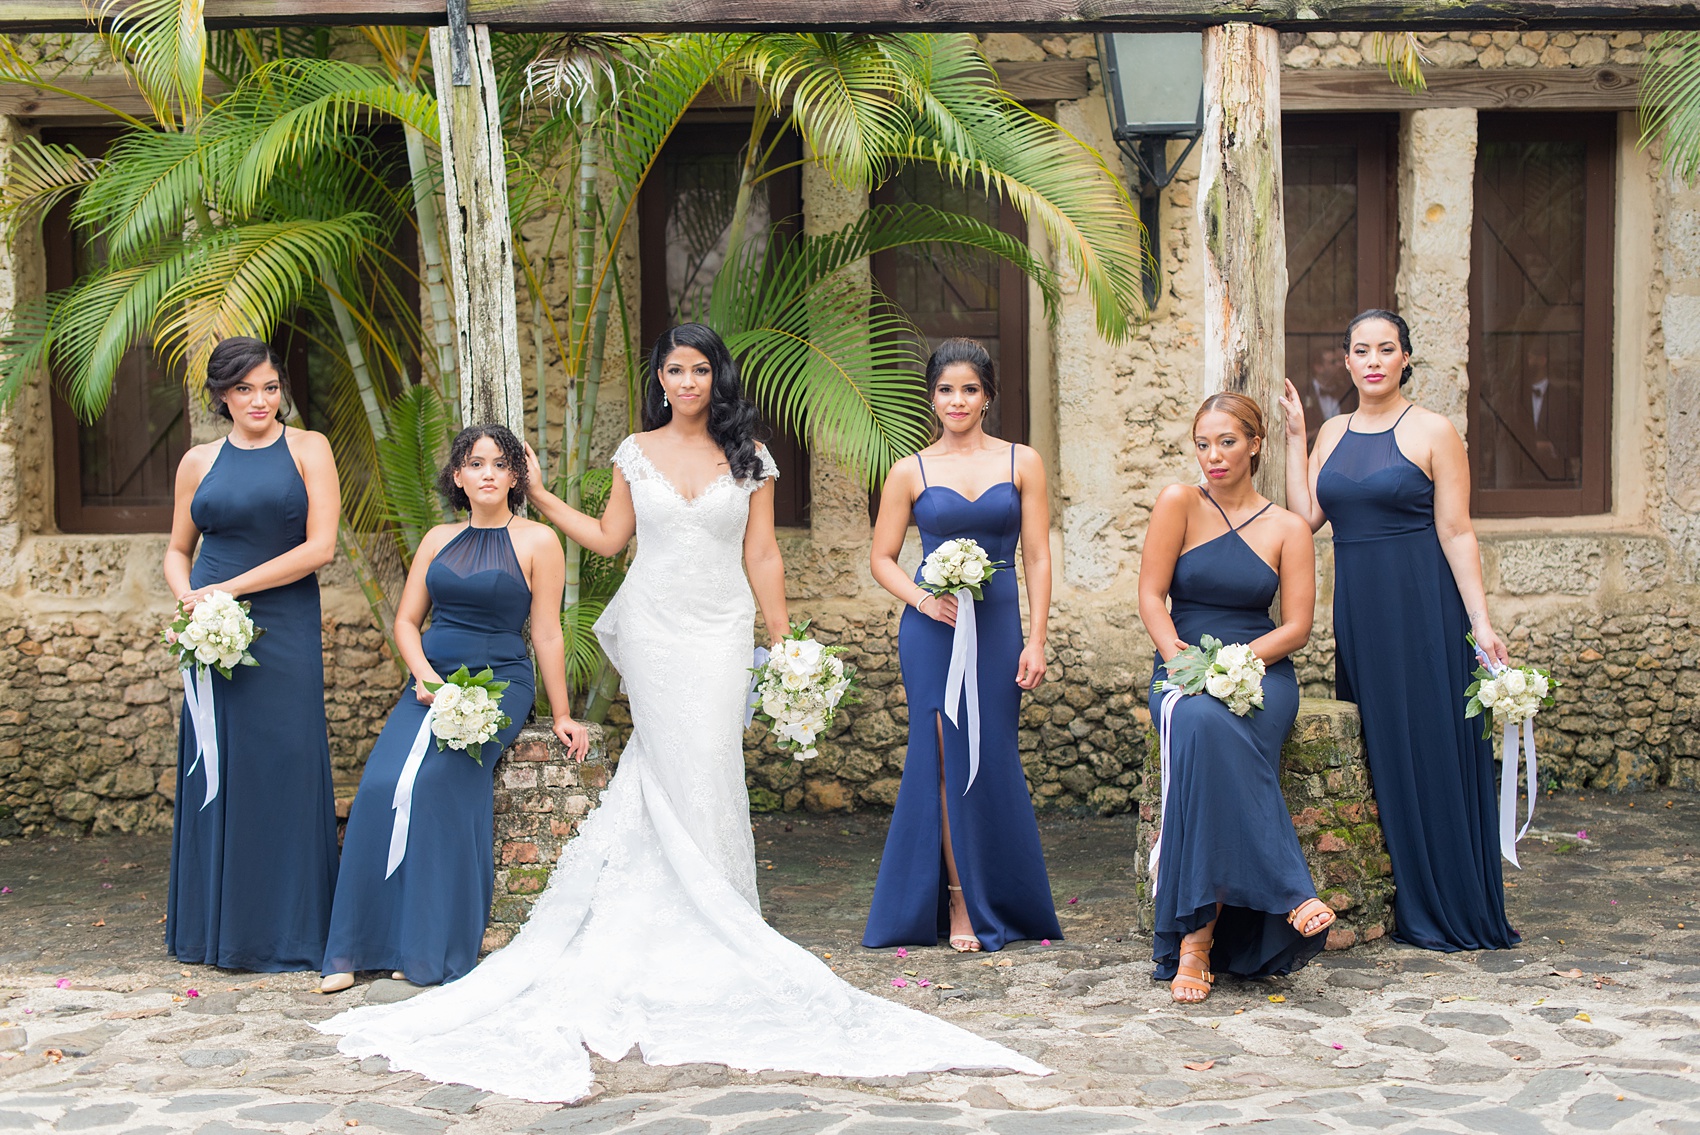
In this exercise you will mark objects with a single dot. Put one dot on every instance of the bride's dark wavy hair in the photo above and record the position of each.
(731, 417)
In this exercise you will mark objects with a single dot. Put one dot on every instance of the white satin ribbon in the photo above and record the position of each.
(1509, 833)
(962, 682)
(1165, 713)
(402, 802)
(198, 699)
(754, 699)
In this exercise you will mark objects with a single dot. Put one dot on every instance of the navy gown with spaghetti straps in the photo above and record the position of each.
(427, 920)
(252, 870)
(1227, 833)
(1399, 626)
(993, 832)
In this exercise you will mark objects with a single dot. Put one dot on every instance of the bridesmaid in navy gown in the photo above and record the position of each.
(1395, 483)
(252, 868)
(481, 581)
(964, 860)
(1233, 892)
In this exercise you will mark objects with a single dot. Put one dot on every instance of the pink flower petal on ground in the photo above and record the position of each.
(899, 983)
(924, 983)
(5, 890)
(1583, 834)
(62, 983)
(1341, 1047)
(106, 886)
(902, 952)
(29, 1010)
(1074, 900)
(191, 993)
(1044, 941)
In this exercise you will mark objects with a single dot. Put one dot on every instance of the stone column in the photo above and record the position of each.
(1245, 240)
(1437, 169)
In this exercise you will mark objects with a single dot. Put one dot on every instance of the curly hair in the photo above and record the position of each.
(1399, 325)
(460, 452)
(732, 417)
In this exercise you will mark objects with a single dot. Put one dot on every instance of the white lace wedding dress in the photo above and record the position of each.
(650, 932)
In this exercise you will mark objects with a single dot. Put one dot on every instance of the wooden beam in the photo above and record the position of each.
(115, 91)
(481, 255)
(1543, 88)
(918, 15)
(1043, 80)
(1240, 217)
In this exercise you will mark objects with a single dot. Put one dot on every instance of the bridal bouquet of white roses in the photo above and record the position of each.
(1232, 673)
(1507, 695)
(466, 711)
(957, 565)
(798, 689)
(216, 634)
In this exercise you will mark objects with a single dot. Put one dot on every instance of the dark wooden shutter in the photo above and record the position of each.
(1541, 315)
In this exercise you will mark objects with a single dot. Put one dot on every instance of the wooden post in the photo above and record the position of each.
(1245, 240)
(475, 190)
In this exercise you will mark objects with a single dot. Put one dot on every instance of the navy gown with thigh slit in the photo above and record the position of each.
(253, 869)
(1401, 654)
(427, 919)
(1227, 835)
(993, 833)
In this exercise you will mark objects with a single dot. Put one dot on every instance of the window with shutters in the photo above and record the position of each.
(1541, 315)
(1338, 193)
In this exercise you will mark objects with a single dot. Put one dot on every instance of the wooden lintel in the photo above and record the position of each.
(1574, 88)
(1035, 81)
(916, 15)
(115, 91)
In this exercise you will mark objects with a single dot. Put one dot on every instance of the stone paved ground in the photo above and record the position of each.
(1590, 1027)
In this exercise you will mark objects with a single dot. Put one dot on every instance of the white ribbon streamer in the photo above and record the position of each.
(402, 802)
(198, 700)
(1509, 833)
(1165, 713)
(963, 679)
(755, 699)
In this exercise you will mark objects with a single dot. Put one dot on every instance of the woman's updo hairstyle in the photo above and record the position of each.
(1244, 411)
(731, 417)
(460, 452)
(969, 351)
(230, 363)
(1398, 324)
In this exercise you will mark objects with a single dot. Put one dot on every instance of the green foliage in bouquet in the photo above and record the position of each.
(1491, 696)
(1189, 669)
(475, 711)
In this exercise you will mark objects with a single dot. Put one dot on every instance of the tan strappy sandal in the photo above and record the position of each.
(963, 943)
(1301, 916)
(1193, 979)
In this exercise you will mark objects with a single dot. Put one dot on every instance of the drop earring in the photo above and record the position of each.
(664, 401)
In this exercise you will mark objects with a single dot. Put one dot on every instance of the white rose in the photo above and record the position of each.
(1514, 682)
(1488, 692)
(1538, 684)
(446, 697)
(972, 572)
(934, 573)
(1219, 685)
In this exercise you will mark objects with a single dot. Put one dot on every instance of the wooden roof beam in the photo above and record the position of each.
(916, 15)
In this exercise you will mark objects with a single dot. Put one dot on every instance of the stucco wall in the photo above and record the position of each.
(1604, 601)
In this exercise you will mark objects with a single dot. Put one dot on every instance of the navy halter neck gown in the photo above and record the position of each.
(1399, 626)
(252, 871)
(1227, 834)
(992, 830)
(427, 919)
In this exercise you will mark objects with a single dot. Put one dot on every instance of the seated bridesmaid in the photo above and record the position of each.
(481, 580)
(1232, 891)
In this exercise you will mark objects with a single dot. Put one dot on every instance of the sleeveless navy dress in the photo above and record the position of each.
(252, 872)
(1399, 626)
(427, 920)
(1227, 834)
(993, 833)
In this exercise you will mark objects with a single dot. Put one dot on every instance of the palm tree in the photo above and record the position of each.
(1670, 99)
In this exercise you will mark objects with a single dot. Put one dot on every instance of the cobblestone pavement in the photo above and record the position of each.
(1591, 1026)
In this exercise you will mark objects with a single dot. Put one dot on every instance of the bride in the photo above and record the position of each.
(650, 932)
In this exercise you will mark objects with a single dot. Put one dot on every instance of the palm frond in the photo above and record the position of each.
(420, 429)
(578, 629)
(38, 176)
(1402, 54)
(25, 345)
(163, 44)
(1670, 99)
(98, 320)
(247, 280)
(149, 184)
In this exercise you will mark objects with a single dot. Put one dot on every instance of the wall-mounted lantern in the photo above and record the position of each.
(1154, 83)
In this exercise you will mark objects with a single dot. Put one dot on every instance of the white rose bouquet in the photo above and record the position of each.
(466, 711)
(216, 634)
(957, 565)
(798, 689)
(1507, 695)
(1232, 673)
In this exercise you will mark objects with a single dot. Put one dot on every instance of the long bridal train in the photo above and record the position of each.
(650, 932)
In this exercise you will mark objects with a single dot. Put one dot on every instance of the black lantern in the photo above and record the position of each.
(1154, 83)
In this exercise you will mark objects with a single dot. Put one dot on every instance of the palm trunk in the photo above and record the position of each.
(542, 445)
(356, 360)
(431, 251)
(580, 399)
